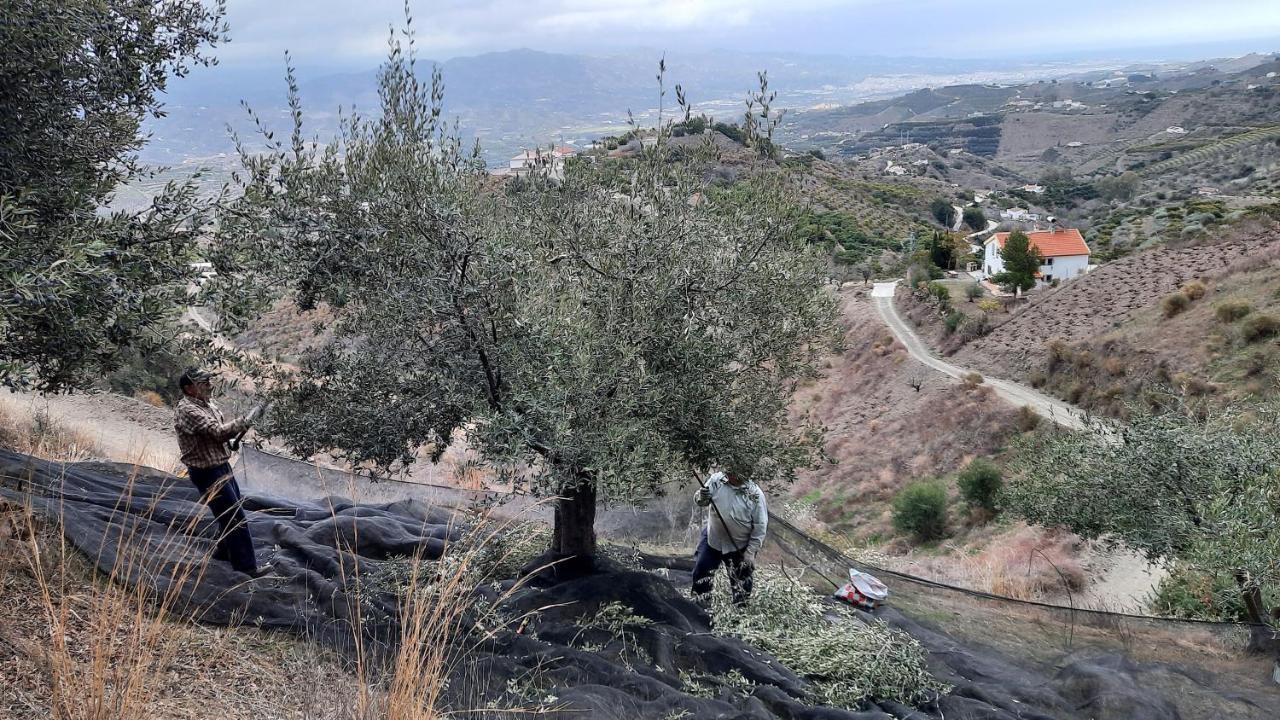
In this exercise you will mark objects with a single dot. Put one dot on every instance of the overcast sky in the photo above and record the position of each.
(353, 33)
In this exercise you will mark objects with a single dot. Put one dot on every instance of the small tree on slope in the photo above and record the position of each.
(1022, 261)
(593, 338)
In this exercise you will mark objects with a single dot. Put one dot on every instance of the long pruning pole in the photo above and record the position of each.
(239, 438)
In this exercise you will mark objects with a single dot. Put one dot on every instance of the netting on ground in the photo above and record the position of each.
(995, 652)
(1039, 634)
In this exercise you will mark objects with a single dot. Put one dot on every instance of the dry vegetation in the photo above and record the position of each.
(881, 432)
(1165, 320)
(85, 644)
(83, 427)
(79, 646)
(1219, 344)
(1017, 561)
(282, 331)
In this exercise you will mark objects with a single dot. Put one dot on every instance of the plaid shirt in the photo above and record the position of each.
(203, 433)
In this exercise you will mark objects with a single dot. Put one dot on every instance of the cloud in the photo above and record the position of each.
(354, 33)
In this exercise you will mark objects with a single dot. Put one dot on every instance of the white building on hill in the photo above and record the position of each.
(549, 160)
(1066, 255)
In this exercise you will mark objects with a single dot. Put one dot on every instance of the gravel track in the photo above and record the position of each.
(1014, 393)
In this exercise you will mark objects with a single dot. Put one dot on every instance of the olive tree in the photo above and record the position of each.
(79, 285)
(1171, 485)
(590, 338)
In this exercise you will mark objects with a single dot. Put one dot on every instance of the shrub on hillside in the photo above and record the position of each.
(980, 484)
(975, 326)
(1059, 353)
(1194, 290)
(973, 291)
(1174, 304)
(1191, 593)
(973, 379)
(921, 509)
(149, 372)
(942, 211)
(953, 320)
(733, 132)
(917, 274)
(1259, 327)
(989, 305)
(1232, 310)
(975, 218)
(1027, 419)
(151, 398)
(940, 294)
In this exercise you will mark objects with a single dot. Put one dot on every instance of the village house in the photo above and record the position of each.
(1066, 255)
(552, 160)
(1019, 215)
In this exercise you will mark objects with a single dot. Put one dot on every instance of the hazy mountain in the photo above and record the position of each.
(522, 98)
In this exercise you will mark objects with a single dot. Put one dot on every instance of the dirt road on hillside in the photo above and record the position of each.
(1057, 411)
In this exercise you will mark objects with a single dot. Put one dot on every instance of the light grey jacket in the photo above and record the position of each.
(746, 516)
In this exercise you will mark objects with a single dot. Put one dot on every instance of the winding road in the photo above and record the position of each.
(1064, 414)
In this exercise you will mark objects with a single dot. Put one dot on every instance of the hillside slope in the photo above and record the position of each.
(1106, 298)
(881, 432)
(1104, 340)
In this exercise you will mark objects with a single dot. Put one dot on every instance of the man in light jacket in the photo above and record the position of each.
(737, 519)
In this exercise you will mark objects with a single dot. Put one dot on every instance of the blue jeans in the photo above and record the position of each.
(221, 493)
(707, 559)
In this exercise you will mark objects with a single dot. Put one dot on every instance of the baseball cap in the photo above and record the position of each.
(193, 375)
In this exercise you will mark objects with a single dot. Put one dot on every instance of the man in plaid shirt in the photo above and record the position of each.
(202, 439)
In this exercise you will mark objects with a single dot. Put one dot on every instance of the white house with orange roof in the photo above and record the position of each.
(1066, 255)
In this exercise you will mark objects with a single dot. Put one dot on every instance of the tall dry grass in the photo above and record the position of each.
(442, 619)
(164, 667)
(123, 640)
(110, 652)
(1024, 563)
(44, 436)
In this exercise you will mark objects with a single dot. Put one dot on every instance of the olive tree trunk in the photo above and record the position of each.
(1262, 638)
(573, 541)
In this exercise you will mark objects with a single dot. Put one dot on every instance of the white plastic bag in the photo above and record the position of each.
(863, 591)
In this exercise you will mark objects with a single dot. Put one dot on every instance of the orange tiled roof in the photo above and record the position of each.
(1051, 243)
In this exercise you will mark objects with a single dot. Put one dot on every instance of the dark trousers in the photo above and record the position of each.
(707, 559)
(222, 495)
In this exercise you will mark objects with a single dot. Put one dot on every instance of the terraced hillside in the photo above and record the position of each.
(1110, 296)
(885, 211)
(1182, 128)
(1213, 149)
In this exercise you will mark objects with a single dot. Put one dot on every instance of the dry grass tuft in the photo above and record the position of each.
(151, 397)
(1194, 290)
(1174, 304)
(44, 436)
(1025, 563)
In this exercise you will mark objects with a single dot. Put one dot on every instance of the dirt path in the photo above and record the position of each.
(1121, 580)
(1057, 411)
(124, 429)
